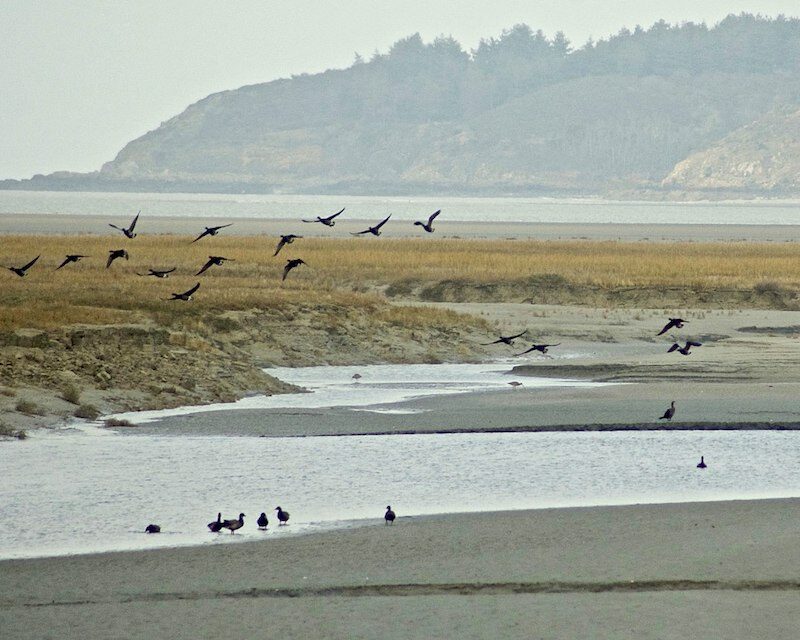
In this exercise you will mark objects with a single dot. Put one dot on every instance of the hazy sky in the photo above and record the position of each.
(80, 78)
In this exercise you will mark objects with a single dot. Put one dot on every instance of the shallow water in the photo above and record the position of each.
(78, 492)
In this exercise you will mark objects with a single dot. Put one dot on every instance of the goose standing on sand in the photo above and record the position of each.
(329, 221)
(128, 233)
(509, 340)
(685, 349)
(213, 260)
(233, 525)
(186, 296)
(677, 323)
(152, 528)
(283, 516)
(157, 273)
(428, 226)
(114, 254)
(73, 257)
(216, 525)
(538, 347)
(669, 412)
(262, 521)
(211, 231)
(287, 239)
(701, 464)
(389, 516)
(291, 264)
(20, 271)
(376, 230)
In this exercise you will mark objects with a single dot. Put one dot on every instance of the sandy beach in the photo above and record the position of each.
(719, 570)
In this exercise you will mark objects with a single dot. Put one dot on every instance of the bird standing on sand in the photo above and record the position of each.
(329, 221)
(114, 254)
(216, 525)
(73, 257)
(673, 322)
(291, 264)
(262, 521)
(515, 383)
(186, 296)
(701, 464)
(287, 239)
(538, 347)
(685, 349)
(428, 226)
(128, 233)
(20, 271)
(283, 516)
(376, 230)
(509, 340)
(213, 260)
(669, 412)
(233, 525)
(389, 516)
(157, 273)
(211, 231)
(152, 528)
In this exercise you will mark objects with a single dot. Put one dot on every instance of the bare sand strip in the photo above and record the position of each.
(717, 570)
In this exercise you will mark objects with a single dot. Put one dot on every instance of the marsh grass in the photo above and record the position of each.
(344, 271)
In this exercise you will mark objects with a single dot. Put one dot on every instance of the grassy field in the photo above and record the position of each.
(351, 271)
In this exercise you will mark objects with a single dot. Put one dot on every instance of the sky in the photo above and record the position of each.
(81, 78)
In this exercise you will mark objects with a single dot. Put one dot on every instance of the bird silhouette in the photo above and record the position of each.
(283, 516)
(74, 257)
(291, 264)
(428, 226)
(376, 230)
(235, 524)
(702, 463)
(186, 295)
(287, 239)
(211, 231)
(213, 260)
(389, 516)
(669, 412)
(538, 347)
(262, 521)
(21, 271)
(673, 322)
(685, 349)
(114, 254)
(157, 273)
(509, 340)
(329, 221)
(356, 377)
(216, 525)
(515, 383)
(128, 233)
(152, 528)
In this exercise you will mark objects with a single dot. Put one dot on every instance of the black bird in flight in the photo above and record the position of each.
(287, 239)
(538, 347)
(428, 226)
(213, 260)
(70, 258)
(129, 231)
(211, 231)
(669, 412)
(376, 230)
(158, 274)
(186, 295)
(329, 221)
(114, 254)
(20, 271)
(673, 322)
(686, 349)
(509, 340)
(291, 264)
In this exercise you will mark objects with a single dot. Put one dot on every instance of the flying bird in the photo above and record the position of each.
(186, 295)
(673, 322)
(329, 221)
(211, 231)
(686, 349)
(20, 271)
(70, 258)
(262, 521)
(389, 516)
(283, 516)
(669, 412)
(128, 233)
(235, 524)
(157, 273)
(291, 264)
(509, 340)
(287, 239)
(114, 254)
(376, 230)
(213, 260)
(428, 226)
(538, 347)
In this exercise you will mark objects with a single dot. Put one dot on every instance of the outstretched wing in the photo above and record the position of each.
(289, 266)
(192, 290)
(666, 328)
(338, 213)
(31, 263)
(382, 222)
(281, 243)
(519, 335)
(67, 260)
(674, 346)
(533, 348)
(205, 266)
(135, 220)
(202, 235)
(486, 344)
(432, 217)
(360, 233)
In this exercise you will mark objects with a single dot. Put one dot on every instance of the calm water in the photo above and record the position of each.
(266, 207)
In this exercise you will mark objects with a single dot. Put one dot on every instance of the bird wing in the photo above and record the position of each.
(519, 335)
(689, 343)
(674, 346)
(486, 344)
(222, 226)
(666, 328)
(116, 227)
(382, 222)
(205, 233)
(433, 216)
(135, 220)
(338, 213)
(205, 266)
(286, 270)
(192, 290)
(66, 260)
(282, 242)
(533, 348)
(111, 257)
(359, 233)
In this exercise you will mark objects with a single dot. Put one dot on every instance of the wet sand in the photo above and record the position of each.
(718, 570)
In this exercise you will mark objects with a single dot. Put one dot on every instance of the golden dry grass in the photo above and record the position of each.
(88, 292)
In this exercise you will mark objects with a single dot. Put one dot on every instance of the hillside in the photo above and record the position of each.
(522, 113)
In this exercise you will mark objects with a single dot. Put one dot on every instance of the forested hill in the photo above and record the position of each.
(521, 113)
